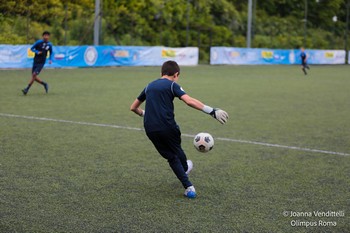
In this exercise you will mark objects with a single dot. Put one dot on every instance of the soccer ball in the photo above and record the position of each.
(203, 142)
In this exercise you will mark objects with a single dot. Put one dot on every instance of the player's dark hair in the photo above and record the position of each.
(170, 68)
(46, 33)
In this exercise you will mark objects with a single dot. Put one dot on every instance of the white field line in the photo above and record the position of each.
(185, 135)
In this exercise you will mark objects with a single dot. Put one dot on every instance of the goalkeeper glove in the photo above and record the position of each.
(220, 115)
(217, 113)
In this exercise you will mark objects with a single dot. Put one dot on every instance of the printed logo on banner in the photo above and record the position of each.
(168, 53)
(329, 55)
(252, 55)
(291, 57)
(121, 53)
(71, 57)
(234, 54)
(267, 54)
(59, 56)
(90, 56)
(340, 56)
(214, 55)
(31, 54)
(7, 55)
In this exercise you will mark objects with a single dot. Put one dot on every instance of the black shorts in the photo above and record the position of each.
(168, 144)
(37, 68)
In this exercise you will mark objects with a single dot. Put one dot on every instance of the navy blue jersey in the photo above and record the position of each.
(303, 56)
(44, 48)
(159, 96)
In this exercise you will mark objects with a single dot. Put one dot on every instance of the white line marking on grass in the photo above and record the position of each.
(185, 135)
(70, 122)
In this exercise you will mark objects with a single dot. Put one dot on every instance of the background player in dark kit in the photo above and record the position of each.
(40, 48)
(304, 58)
(160, 125)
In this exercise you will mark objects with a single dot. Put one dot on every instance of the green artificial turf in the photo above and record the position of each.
(67, 177)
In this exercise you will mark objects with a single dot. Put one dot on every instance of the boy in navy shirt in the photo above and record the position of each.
(304, 64)
(160, 125)
(40, 48)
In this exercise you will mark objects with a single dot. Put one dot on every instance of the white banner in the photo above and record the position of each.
(258, 56)
(188, 56)
(326, 56)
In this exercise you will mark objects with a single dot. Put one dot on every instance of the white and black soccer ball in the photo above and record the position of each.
(203, 142)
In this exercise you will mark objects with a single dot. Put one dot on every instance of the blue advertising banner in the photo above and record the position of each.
(13, 56)
(244, 56)
(322, 56)
(20, 56)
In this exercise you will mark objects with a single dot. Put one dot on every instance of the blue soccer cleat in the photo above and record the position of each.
(25, 91)
(190, 192)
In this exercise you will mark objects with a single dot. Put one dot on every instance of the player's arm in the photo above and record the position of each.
(51, 53)
(135, 107)
(33, 48)
(218, 114)
(192, 102)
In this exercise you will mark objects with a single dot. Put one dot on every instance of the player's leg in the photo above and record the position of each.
(36, 72)
(186, 164)
(163, 144)
(174, 143)
(25, 90)
(46, 86)
(303, 68)
(176, 146)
